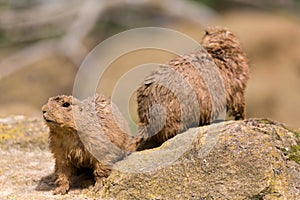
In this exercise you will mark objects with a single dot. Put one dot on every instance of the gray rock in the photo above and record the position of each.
(250, 159)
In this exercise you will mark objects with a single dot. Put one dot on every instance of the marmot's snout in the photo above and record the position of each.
(44, 109)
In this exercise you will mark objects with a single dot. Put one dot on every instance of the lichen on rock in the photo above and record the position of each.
(23, 132)
(294, 152)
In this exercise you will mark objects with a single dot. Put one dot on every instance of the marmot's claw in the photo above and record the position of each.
(60, 190)
(98, 185)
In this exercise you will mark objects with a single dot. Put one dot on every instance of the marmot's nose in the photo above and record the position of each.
(44, 109)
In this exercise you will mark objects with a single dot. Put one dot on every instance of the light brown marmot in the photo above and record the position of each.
(84, 135)
(186, 92)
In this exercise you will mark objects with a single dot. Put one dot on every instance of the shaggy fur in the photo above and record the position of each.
(185, 93)
(84, 134)
(229, 57)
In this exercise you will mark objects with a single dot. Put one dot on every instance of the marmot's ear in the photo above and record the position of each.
(227, 33)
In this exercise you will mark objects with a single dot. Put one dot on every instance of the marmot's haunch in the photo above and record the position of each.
(84, 135)
(186, 92)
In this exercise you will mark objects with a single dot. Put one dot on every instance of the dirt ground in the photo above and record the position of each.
(26, 164)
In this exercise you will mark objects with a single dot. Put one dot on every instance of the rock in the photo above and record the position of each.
(250, 159)
(23, 133)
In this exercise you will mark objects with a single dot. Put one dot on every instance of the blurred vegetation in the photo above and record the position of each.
(42, 44)
(222, 5)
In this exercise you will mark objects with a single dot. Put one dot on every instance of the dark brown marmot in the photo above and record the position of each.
(193, 90)
(84, 135)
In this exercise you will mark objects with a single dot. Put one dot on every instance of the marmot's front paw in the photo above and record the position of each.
(61, 190)
(99, 184)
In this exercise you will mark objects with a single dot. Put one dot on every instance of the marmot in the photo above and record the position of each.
(89, 134)
(186, 92)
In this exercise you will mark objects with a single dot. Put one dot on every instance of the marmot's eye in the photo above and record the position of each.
(206, 33)
(66, 104)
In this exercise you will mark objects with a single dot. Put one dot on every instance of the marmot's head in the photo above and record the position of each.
(58, 112)
(219, 40)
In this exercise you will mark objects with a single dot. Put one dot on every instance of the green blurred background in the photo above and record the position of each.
(42, 44)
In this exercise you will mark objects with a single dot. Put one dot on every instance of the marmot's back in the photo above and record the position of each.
(192, 90)
(110, 119)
